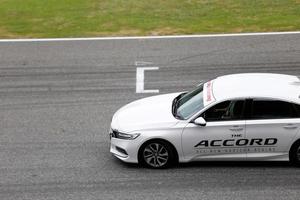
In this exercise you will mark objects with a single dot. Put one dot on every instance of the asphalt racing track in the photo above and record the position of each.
(57, 99)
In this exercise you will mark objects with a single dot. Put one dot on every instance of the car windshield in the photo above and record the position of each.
(190, 103)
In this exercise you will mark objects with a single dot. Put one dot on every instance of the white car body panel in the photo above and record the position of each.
(193, 134)
(147, 113)
(277, 86)
(274, 128)
(153, 119)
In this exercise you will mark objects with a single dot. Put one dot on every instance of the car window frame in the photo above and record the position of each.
(225, 120)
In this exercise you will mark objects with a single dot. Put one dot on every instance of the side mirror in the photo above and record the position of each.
(200, 121)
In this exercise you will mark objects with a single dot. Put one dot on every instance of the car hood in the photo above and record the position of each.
(147, 113)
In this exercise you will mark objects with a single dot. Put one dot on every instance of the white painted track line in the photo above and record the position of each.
(148, 37)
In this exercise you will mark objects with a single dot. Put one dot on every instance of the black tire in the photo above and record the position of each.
(295, 154)
(157, 154)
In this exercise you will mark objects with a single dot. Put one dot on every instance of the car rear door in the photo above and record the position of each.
(223, 137)
(270, 129)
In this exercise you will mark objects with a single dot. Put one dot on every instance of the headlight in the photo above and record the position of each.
(124, 136)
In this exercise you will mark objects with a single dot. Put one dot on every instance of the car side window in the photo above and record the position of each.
(269, 109)
(227, 110)
(297, 106)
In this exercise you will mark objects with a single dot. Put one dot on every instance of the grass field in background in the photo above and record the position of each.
(82, 18)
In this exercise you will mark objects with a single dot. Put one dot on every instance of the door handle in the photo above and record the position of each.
(290, 126)
(236, 128)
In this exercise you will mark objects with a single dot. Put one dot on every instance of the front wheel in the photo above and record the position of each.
(156, 154)
(295, 154)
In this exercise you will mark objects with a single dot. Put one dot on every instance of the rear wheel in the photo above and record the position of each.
(156, 154)
(295, 153)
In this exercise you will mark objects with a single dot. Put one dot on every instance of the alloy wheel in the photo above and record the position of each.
(298, 153)
(156, 155)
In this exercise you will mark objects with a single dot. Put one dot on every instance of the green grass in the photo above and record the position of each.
(82, 18)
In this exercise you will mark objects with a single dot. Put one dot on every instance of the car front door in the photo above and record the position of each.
(223, 136)
(270, 129)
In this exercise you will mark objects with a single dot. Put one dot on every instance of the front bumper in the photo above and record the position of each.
(125, 150)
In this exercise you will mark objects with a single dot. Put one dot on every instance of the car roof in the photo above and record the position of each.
(257, 85)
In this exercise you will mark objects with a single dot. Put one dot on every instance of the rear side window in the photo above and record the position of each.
(268, 109)
(297, 106)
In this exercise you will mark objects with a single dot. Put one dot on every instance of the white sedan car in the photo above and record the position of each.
(242, 117)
